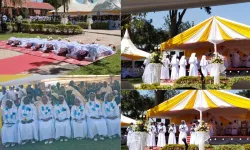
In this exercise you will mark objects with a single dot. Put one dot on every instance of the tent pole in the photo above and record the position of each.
(200, 117)
(215, 48)
(133, 67)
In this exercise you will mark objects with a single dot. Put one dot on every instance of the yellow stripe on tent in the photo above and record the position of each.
(133, 57)
(224, 35)
(206, 33)
(231, 99)
(190, 104)
(210, 103)
(243, 30)
(184, 36)
(168, 105)
(4, 78)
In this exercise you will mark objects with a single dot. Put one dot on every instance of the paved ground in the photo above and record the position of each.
(104, 37)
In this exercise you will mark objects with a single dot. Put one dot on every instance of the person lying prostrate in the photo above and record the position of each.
(10, 128)
(27, 127)
(60, 48)
(38, 44)
(78, 52)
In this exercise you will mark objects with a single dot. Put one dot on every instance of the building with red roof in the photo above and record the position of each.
(27, 7)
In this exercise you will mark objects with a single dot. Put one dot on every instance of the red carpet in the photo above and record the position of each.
(25, 62)
(3, 45)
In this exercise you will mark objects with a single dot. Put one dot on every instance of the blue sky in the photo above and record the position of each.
(236, 12)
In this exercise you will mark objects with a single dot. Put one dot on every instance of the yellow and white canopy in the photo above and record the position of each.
(214, 30)
(125, 121)
(190, 102)
(129, 51)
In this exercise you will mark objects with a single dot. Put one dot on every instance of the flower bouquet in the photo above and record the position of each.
(203, 127)
(156, 57)
(141, 126)
(216, 59)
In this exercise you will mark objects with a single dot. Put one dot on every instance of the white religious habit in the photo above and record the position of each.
(175, 67)
(204, 65)
(183, 129)
(46, 121)
(248, 61)
(110, 109)
(193, 69)
(78, 121)
(28, 130)
(11, 95)
(236, 60)
(165, 69)
(97, 125)
(146, 62)
(151, 136)
(183, 64)
(21, 93)
(62, 123)
(161, 136)
(235, 127)
(171, 137)
(193, 134)
(130, 131)
(9, 129)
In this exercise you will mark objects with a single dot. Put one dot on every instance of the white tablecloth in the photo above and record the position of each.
(201, 138)
(152, 74)
(138, 141)
(215, 70)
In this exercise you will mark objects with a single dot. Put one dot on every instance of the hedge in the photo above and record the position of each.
(44, 22)
(207, 147)
(100, 25)
(47, 28)
(84, 25)
(190, 82)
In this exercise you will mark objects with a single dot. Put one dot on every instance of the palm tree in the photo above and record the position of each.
(65, 4)
(14, 2)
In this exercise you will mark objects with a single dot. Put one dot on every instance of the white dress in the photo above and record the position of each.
(165, 69)
(192, 136)
(175, 70)
(130, 132)
(204, 66)
(28, 131)
(46, 128)
(183, 129)
(79, 127)
(95, 126)
(193, 70)
(172, 138)
(182, 71)
(161, 136)
(151, 136)
(110, 109)
(9, 133)
(61, 112)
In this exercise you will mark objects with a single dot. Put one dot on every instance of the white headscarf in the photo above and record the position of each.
(192, 58)
(174, 59)
(203, 61)
(183, 60)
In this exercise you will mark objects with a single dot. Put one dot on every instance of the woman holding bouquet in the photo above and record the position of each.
(151, 135)
(161, 136)
(175, 67)
(183, 129)
(204, 64)
(183, 64)
(193, 134)
(172, 131)
(193, 70)
(165, 68)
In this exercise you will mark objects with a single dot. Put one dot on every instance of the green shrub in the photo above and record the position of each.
(46, 22)
(84, 25)
(227, 147)
(247, 146)
(179, 147)
(154, 86)
(25, 21)
(100, 25)
(26, 27)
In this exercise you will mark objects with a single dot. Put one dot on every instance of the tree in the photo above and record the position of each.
(163, 95)
(176, 20)
(245, 93)
(55, 3)
(13, 2)
(134, 105)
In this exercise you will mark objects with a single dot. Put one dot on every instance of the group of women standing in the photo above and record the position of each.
(178, 67)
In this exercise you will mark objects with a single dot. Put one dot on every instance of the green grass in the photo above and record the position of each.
(109, 65)
(26, 35)
(134, 80)
(85, 144)
(124, 147)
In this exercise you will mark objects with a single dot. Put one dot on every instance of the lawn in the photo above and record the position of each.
(88, 144)
(134, 80)
(109, 65)
(26, 35)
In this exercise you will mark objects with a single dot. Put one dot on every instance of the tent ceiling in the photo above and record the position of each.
(138, 6)
(125, 121)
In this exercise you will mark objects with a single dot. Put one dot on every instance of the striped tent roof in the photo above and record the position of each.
(129, 51)
(211, 101)
(214, 30)
(125, 121)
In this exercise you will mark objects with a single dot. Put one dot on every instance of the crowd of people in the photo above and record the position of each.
(64, 47)
(60, 112)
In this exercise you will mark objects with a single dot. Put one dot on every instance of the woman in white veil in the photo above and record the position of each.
(165, 68)
(175, 67)
(204, 65)
(183, 64)
(193, 69)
